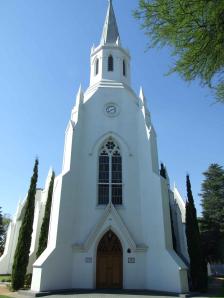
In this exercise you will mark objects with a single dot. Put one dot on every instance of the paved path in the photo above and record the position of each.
(104, 295)
(100, 295)
(215, 287)
(4, 291)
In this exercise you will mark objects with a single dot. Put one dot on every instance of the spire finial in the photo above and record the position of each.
(110, 30)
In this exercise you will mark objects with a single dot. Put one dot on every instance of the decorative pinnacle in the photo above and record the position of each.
(79, 96)
(142, 95)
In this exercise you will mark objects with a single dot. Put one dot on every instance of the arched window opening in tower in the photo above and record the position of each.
(110, 174)
(97, 66)
(110, 63)
(124, 68)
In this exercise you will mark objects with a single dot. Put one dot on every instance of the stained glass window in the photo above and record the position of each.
(110, 174)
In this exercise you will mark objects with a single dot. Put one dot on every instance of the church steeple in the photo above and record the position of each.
(110, 62)
(110, 34)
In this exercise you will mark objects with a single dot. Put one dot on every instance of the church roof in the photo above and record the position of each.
(110, 30)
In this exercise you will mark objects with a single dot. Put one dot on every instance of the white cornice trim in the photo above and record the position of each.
(109, 47)
(108, 84)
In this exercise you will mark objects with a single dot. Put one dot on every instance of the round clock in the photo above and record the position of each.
(111, 109)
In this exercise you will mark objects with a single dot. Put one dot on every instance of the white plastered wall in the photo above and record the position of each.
(144, 210)
(6, 260)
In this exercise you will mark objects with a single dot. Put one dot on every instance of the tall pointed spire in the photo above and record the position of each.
(110, 30)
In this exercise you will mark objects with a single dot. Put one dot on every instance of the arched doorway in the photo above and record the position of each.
(109, 263)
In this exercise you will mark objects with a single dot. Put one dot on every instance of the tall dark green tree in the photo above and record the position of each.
(194, 30)
(1, 233)
(45, 224)
(163, 173)
(212, 221)
(198, 266)
(4, 223)
(21, 257)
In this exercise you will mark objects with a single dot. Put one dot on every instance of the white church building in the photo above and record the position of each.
(110, 224)
(6, 260)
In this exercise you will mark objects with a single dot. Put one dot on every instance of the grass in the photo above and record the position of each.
(3, 296)
(220, 292)
(4, 278)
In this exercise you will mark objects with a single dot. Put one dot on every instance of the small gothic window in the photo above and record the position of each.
(110, 174)
(97, 67)
(110, 63)
(124, 68)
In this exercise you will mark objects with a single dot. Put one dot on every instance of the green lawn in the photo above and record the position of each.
(222, 290)
(5, 278)
(220, 293)
(3, 296)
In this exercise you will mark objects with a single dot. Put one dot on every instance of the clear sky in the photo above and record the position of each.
(44, 56)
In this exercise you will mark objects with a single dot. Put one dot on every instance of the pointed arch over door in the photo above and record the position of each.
(109, 263)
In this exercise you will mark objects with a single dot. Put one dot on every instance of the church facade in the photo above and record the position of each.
(110, 224)
(110, 220)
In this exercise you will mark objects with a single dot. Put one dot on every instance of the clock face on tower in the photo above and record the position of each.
(111, 109)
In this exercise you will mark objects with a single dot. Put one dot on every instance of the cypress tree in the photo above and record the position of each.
(212, 222)
(163, 171)
(1, 233)
(45, 224)
(21, 257)
(198, 268)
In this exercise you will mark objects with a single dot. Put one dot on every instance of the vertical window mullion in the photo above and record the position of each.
(110, 178)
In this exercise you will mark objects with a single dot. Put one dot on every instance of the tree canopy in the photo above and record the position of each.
(194, 29)
(212, 221)
(21, 257)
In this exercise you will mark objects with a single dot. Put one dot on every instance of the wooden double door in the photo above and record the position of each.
(109, 265)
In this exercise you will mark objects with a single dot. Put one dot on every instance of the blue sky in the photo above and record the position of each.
(44, 56)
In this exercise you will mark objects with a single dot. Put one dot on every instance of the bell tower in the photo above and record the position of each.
(109, 61)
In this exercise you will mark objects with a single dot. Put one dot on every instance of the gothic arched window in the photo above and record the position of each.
(124, 68)
(110, 63)
(110, 174)
(97, 66)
